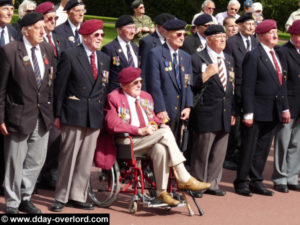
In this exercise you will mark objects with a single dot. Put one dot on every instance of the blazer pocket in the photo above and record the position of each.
(13, 114)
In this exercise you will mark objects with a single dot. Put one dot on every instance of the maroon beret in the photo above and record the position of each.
(90, 26)
(129, 74)
(295, 28)
(45, 7)
(265, 26)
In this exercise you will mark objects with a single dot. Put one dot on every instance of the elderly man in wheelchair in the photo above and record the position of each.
(130, 110)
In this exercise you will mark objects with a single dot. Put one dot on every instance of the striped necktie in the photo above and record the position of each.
(77, 38)
(221, 73)
(176, 69)
(248, 45)
(2, 39)
(129, 55)
(36, 67)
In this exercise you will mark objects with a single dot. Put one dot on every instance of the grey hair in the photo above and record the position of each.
(24, 6)
(234, 2)
(205, 3)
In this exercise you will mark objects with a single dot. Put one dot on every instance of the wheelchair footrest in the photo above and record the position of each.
(158, 203)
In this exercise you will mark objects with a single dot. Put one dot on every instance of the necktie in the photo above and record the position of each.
(130, 59)
(248, 45)
(221, 73)
(36, 67)
(140, 114)
(93, 63)
(77, 39)
(277, 67)
(51, 43)
(2, 40)
(176, 69)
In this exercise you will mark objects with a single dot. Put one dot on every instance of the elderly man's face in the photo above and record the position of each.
(270, 38)
(6, 13)
(200, 29)
(217, 42)
(296, 40)
(175, 38)
(35, 33)
(247, 28)
(231, 27)
(232, 9)
(209, 8)
(76, 14)
(50, 21)
(93, 41)
(127, 32)
(134, 88)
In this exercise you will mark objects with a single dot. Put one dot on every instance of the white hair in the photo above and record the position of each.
(25, 5)
(205, 3)
(234, 2)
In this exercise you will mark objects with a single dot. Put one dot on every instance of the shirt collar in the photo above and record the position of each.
(201, 38)
(122, 42)
(130, 98)
(73, 27)
(161, 38)
(215, 55)
(88, 52)
(5, 30)
(28, 45)
(244, 38)
(266, 48)
(172, 50)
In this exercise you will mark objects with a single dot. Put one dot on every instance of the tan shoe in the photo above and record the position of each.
(193, 185)
(167, 198)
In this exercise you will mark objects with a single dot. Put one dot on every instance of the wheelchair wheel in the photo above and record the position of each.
(104, 186)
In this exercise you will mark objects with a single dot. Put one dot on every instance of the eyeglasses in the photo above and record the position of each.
(181, 34)
(210, 8)
(51, 18)
(137, 82)
(79, 11)
(233, 9)
(99, 34)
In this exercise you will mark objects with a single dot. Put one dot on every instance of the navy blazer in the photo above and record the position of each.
(118, 61)
(162, 84)
(145, 45)
(65, 31)
(214, 113)
(290, 59)
(262, 93)
(78, 98)
(192, 44)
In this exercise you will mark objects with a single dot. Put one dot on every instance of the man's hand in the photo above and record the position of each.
(286, 116)
(150, 129)
(233, 120)
(146, 29)
(185, 114)
(248, 122)
(210, 71)
(3, 129)
(57, 123)
(163, 116)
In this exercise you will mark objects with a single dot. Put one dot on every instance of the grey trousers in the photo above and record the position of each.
(207, 157)
(287, 153)
(24, 156)
(76, 155)
(162, 148)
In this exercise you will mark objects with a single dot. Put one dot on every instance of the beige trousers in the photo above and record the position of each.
(162, 148)
(76, 155)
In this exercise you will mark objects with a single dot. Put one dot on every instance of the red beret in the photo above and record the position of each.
(90, 26)
(45, 7)
(129, 74)
(295, 28)
(265, 26)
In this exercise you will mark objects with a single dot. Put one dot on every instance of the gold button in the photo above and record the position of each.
(175, 108)
(89, 99)
(38, 105)
(177, 96)
(224, 110)
(276, 96)
(99, 101)
(224, 98)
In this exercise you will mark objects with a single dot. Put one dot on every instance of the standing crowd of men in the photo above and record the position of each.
(228, 81)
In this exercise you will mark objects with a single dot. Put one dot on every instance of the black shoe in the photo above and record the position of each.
(281, 188)
(230, 165)
(245, 191)
(218, 192)
(294, 187)
(29, 207)
(1, 191)
(197, 194)
(261, 191)
(81, 205)
(11, 210)
(57, 206)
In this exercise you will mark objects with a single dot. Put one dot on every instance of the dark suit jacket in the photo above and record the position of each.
(236, 48)
(21, 102)
(118, 61)
(64, 30)
(162, 84)
(262, 93)
(214, 113)
(145, 45)
(79, 99)
(291, 63)
(192, 44)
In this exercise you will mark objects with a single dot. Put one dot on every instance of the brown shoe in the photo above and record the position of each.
(167, 198)
(193, 185)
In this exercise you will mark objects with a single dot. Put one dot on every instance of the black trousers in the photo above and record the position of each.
(2, 163)
(256, 144)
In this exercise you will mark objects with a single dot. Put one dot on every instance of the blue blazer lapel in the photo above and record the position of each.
(85, 63)
(241, 45)
(120, 53)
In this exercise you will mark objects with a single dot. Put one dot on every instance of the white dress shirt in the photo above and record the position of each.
(161, 38)
(38, 54)
(124, 49)
(214, 57)
(6, 36)
(203, 40)
(245, 41)
(73, 27)
(172, 51)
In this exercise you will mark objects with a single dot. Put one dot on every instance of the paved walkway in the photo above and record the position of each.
(233, 209)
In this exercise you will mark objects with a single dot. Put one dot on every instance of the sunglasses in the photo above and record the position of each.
(99, 34)
(210, 8)
(137, 82)
(51, 18)
(233, 9)
(181, 34)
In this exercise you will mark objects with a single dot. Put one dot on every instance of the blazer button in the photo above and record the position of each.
(177, 96)
(224, 110)
(38, 105)
(99, 101)
(89, 99)
(224, 98)
(175, 108)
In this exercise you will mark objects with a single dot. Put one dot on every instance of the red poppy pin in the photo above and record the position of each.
(46, 61)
